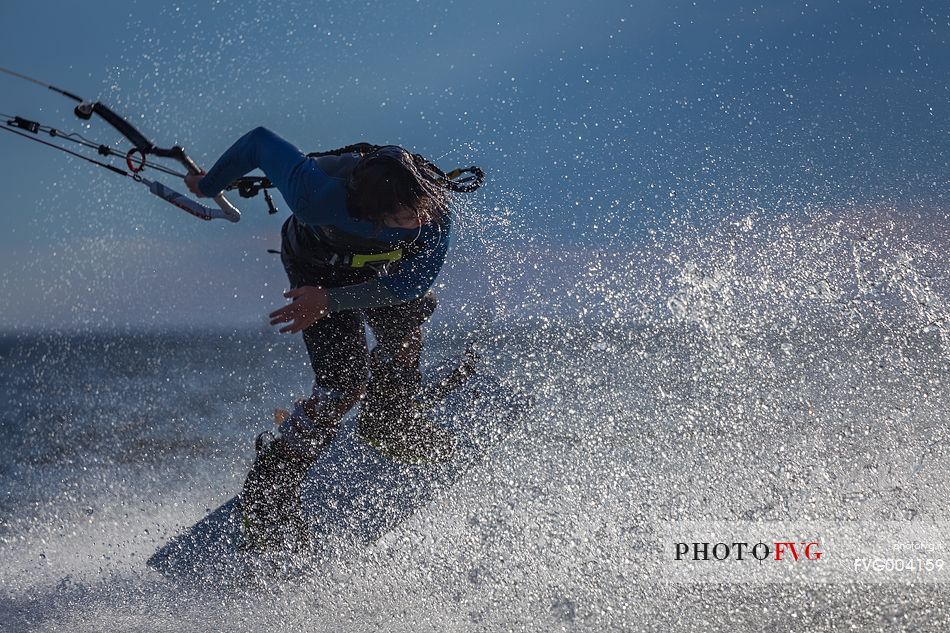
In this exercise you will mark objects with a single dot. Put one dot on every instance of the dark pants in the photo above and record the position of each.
(337, 343)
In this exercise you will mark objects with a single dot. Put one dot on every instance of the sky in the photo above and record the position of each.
(593, 123)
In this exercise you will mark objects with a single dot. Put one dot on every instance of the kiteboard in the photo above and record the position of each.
(356, 493)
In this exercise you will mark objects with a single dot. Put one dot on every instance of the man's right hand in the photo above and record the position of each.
(309, 305)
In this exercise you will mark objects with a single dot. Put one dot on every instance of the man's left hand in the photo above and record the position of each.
(192, 180)
(310, 304)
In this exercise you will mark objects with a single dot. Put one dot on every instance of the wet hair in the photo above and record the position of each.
(387, 179)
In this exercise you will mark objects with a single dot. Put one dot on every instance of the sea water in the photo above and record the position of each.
(791, 373)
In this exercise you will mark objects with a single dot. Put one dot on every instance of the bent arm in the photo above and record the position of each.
(260, 149)
(415, 276)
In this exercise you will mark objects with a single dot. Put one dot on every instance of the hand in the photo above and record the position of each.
(310, 304)
(192, 180)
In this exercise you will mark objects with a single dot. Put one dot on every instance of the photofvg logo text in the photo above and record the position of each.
(778, 551)
(787, 552)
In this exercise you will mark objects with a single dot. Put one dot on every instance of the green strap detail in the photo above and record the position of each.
(360, 260)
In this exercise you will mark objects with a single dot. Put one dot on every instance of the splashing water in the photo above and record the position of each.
(780, 371)
(713, 248)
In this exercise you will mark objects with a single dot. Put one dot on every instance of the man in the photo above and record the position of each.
(367, 236)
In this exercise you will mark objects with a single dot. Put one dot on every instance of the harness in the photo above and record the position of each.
(311, 245)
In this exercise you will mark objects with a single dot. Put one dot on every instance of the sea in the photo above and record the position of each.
(766, 382)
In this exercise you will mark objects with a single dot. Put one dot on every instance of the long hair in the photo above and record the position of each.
(387, 179)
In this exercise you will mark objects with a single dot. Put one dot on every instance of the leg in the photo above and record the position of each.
(391, 418)
(336, 345)
(271, 495)
(270, 498)
(398, 330)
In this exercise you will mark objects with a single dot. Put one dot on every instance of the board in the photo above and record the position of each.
(354, 495)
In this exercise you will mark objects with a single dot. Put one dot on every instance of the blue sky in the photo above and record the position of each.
(592, 121)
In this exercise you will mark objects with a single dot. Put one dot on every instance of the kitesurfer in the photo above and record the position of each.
(366, 238)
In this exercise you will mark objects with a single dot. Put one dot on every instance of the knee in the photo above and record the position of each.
(350, 375)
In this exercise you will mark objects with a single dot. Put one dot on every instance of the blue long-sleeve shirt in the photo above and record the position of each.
(319, 199)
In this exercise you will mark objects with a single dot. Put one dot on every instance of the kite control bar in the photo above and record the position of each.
(136, 158)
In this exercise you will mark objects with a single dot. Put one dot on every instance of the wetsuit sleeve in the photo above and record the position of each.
(417, 272)
(415, 276)
(281, 162)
